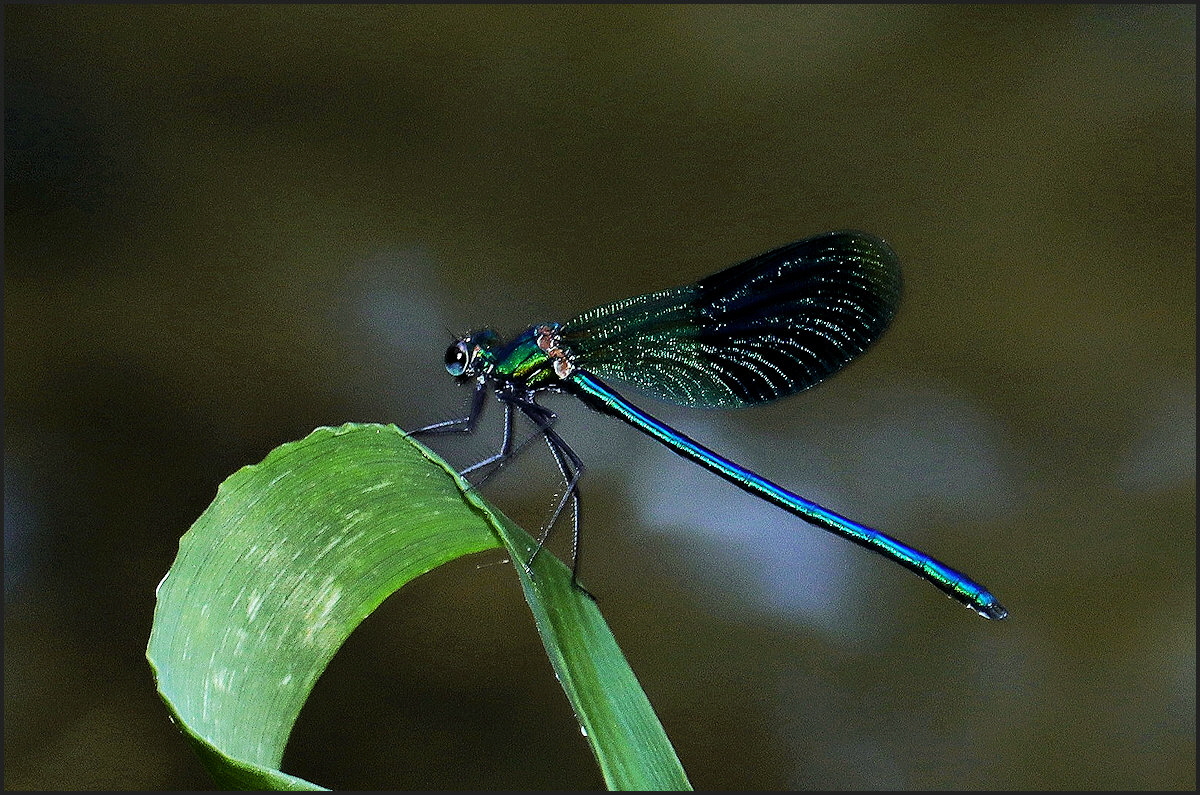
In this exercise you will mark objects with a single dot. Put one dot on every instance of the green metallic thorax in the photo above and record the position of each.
(534, 359)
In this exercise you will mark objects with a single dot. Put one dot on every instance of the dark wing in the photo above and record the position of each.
(769, 327)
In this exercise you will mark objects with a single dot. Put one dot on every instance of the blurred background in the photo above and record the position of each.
(228, 225)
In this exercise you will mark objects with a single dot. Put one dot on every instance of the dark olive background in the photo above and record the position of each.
(225, 226)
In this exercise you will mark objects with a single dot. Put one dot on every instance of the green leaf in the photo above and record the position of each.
(296, 551)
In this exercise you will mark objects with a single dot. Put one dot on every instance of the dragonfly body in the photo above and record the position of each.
(769, 327)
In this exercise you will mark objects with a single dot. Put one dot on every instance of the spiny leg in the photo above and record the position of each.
(508, 452)
(467, 425)
(571, 467)
(462, 424)
(505, 448)
(562, 452)
(570, 473)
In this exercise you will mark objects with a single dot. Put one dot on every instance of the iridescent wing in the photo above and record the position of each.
(769, 327)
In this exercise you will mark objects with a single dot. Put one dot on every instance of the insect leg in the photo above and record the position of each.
(571, 467)
(462, 424)
(505, 447)
(467, 425)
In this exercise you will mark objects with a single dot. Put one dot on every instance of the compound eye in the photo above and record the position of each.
(458, 358)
